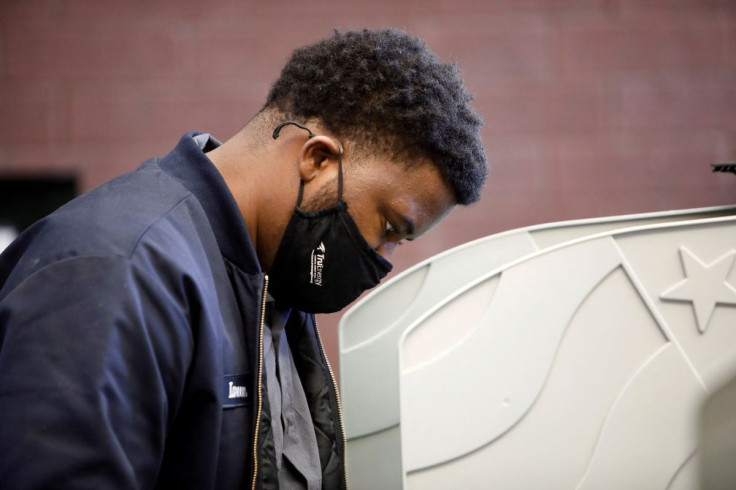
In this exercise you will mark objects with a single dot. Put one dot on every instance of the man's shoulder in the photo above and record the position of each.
(117, 219)
(115, 216)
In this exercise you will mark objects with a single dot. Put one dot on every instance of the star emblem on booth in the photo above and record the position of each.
(704, 285)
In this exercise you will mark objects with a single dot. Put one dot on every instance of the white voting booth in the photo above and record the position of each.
(478, 357)
(7, 235)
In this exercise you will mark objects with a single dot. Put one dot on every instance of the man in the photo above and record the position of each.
(159, 330)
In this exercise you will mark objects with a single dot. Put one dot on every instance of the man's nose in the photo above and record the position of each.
(386, 249)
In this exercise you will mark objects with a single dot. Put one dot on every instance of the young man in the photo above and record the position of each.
(159, 330)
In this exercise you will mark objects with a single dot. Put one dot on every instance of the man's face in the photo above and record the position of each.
(388, 201)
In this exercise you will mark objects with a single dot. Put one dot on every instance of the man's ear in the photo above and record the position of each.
(316, 155)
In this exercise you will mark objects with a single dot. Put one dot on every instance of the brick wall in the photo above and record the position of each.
(592, 108)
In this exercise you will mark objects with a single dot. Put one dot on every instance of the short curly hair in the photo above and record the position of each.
(385, 90)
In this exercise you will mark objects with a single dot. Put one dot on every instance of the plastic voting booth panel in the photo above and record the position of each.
(7, 235)
(718, 438)
(370, 331)
(582, 366)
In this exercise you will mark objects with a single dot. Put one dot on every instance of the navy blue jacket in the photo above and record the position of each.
(124, 318)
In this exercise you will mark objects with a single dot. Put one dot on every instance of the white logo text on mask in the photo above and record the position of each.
(317, 263)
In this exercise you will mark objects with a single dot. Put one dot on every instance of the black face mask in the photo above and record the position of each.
(323, 262)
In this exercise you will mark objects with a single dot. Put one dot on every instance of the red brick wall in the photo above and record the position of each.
(592, 108)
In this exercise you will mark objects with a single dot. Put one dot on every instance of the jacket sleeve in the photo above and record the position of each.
(93, 356)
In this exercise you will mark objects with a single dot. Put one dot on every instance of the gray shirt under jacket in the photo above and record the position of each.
(295, 443)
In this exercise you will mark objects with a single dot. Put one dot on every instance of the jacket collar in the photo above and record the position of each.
(189, 164)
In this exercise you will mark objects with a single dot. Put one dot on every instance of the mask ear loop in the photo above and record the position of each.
(275, 135)
(278, 129)
(339, 176)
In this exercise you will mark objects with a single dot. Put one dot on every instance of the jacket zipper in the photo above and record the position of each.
(260, 384)
(339, 406)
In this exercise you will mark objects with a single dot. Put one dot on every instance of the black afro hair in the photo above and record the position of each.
(385, 90)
